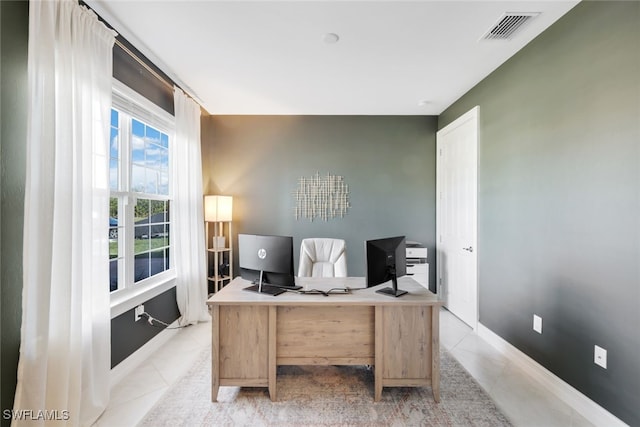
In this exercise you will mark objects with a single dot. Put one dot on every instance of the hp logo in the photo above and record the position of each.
(262, 253)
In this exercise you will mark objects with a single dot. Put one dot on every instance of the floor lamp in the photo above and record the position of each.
(218, 210)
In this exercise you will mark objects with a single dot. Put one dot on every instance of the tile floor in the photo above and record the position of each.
(522, 399)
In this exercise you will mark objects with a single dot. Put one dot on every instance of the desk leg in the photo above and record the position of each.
(272, 369)
(435, 352)
(215, 352)
(378, 369)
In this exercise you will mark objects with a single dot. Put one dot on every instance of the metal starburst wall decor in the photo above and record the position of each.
(322, 197)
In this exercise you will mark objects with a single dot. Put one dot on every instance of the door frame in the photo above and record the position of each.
(472, 114)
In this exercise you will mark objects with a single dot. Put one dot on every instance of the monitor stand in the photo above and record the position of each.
(260, 282)
(268, 289)
(392, 292)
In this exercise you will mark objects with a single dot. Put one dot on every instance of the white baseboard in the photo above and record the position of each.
(128, 365)
(572, 397)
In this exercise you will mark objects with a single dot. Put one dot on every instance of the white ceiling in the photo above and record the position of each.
(268, 57)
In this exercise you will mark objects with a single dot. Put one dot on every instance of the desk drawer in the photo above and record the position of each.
(341, 335)
(244, 345)
(419, 273)
(417, 269)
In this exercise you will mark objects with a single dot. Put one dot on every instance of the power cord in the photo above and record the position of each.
(151, 319)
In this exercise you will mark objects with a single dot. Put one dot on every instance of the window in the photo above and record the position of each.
(140, 202)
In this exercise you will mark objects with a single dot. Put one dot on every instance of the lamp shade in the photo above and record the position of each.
(218, 208)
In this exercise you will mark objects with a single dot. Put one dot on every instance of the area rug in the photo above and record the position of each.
(325, 396)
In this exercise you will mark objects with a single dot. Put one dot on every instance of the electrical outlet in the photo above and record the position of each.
(600, 356)
(139, 310)
(537, 323)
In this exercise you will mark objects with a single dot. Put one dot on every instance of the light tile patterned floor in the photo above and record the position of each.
(522, 399)
(137, 393)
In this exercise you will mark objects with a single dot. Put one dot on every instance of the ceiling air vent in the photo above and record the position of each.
(508, 24)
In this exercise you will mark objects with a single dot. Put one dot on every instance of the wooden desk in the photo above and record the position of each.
(253, 333)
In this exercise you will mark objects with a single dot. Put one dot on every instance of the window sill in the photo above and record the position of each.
(126, 299)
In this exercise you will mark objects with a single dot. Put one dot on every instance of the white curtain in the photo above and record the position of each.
(187, 211)
(63, 372)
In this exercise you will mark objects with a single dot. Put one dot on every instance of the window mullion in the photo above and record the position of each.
(125, 154)
(128, 202)
(122, 236)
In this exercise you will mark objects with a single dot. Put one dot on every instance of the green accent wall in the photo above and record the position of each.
(387, 162)
(559, 200)
(14, 32)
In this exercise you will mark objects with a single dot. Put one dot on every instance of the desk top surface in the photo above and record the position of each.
(234, 293)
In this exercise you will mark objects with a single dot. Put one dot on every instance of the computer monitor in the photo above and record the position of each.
(267, 260)
(386, 260)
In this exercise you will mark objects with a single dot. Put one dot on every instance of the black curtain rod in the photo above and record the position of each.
(135, 57)
(128, 51)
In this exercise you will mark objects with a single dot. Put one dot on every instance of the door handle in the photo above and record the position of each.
(469, 249)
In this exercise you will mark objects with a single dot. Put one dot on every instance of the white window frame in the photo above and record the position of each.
(130, 102)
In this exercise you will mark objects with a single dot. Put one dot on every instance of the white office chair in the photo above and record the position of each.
(323, 257)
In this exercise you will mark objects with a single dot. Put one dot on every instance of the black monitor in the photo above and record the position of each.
(267, 260)
(386, 260)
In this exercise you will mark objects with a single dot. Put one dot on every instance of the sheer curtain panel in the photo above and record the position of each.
(63, 372)
(188, 215)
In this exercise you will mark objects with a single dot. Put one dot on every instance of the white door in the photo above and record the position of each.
(456, 207)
